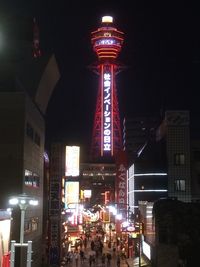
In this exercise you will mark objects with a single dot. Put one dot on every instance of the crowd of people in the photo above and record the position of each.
(93, 251)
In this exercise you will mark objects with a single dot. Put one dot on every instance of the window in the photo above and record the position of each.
(180, 185)
(179, 159)
(31, 225)
(28, 178)
(34, 224)
(29, 130)
(31, 179)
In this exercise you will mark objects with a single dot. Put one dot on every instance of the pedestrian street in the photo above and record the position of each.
(97, 261)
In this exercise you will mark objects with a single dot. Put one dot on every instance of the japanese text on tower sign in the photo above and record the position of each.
(107, 111)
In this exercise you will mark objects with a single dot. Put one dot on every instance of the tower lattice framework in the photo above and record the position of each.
(107, 137)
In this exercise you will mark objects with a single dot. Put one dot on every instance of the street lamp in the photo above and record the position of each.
(23, 201)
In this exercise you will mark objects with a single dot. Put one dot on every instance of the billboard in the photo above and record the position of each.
(107, 109)
(121, 178)
(71, 194)
(72, 157)
(87, 193)
(121, 186)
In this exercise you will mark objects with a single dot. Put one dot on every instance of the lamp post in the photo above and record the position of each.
(23, 201)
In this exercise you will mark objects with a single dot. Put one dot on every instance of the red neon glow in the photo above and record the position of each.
(107, 138)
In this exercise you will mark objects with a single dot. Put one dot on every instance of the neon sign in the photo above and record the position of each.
(107, 42)
(107, 111)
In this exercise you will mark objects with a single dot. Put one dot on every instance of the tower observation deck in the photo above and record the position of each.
(107, 42)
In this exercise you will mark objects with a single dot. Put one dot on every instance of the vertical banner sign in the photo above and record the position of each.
(121, 185)
(54, 212)
(107, 109)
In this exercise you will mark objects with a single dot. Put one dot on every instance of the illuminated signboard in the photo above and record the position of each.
(121, 186)
(146, 249)
(107, 42)
(87, 193)
(71, 194)
(107, 109)
(72, 161)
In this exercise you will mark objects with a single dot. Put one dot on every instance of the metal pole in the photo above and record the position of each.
(12, 255)
(22, 226)
(29, 254)
(139, 251)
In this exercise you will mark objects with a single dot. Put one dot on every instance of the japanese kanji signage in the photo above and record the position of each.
(121, 180)
(107, 109)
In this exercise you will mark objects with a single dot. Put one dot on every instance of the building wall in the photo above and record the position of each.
(178, 155)
(34, 161)
(11, 145)
(57, 171)
(19, 152)
(195, 170)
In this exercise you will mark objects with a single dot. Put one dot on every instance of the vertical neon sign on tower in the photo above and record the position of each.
(107, 42)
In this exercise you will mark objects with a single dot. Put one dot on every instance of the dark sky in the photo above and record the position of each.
(161, 52)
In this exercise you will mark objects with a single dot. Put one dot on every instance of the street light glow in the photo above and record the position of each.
(33, 202)
(119, 216)
(13, 201)
(23, 201)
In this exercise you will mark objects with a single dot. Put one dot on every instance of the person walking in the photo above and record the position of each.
(103, 259)
(90, 260)
(108, 259)
(76, 258)
(118, 261)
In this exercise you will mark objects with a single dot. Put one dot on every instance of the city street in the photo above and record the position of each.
(98, 260)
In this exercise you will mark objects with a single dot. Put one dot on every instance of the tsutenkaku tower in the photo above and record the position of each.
(107, 137)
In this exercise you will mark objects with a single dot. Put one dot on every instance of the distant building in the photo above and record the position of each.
(167, 227)
(170, 150)
(137, 132)
(100, 179)
(147, 175)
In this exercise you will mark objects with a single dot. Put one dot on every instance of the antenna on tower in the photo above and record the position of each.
(36, 40)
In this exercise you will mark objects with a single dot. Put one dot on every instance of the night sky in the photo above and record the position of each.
(161, 52)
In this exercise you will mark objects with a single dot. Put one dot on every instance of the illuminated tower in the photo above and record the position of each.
(107, 138)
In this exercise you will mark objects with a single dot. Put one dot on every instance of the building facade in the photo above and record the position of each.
(22, 149)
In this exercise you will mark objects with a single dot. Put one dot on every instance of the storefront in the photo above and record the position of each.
(5, 224)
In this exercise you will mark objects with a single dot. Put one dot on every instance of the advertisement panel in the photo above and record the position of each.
(107, 123)
(71, 194)
(121, 186)
(87, 193)
(72, 157)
